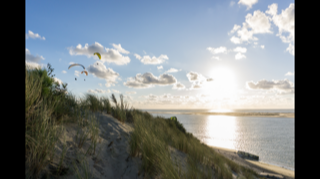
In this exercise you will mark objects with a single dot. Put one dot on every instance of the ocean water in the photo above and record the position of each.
(272, 138)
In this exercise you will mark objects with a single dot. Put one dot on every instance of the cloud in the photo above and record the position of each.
(239, 56)
(33, 36)
(98, 91)
(240, 49)
(282, 86)
(148, 80)
(57, 80)
(120, 49)
(235, 28)
(137, 56)
(248, 3)
(194, 76)
(99, 70)
(172, 70)
(115, 91)
(32, 65)
(235, 40)
(131, 92)
(232, 3)
(64, 71)
(32, 58)
(290, 49)
(107, 55)
(217, 50)
(197, 80)
(289, 74)
(160, 67)
(262, 46)
(259, 22)
(178, 86)
(153, 61)
(285, 24)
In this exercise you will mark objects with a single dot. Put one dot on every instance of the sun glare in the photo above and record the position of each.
(223, 84)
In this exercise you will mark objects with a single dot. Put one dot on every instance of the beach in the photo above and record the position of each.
(255, 165)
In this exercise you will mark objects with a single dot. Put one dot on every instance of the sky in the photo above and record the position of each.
(216, 54)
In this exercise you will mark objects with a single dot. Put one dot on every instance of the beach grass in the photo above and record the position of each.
(47, 107)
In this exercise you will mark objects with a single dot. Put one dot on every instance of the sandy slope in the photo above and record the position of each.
(112, 153)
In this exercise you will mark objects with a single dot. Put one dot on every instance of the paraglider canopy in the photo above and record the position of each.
(174, 118)
(85, 72)
(76, 64)
(98, 54)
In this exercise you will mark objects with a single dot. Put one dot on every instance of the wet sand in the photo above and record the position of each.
(255, 165)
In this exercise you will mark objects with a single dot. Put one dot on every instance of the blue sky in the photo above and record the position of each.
(165, 54)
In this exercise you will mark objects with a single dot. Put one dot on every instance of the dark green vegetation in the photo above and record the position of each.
(48, 105)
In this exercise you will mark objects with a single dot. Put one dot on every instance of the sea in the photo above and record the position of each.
(271, 138)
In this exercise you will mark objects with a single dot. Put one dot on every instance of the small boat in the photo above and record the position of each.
(247, 155)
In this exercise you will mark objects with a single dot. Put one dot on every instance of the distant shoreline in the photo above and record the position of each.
(249, 114)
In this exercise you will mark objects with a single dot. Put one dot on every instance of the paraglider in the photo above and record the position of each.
(76, 79)
(85, 72)
(98, 54)
(76, 64)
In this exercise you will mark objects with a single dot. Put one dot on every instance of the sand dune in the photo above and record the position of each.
(112, 159)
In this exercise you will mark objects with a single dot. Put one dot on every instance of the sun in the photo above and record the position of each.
(223, 84)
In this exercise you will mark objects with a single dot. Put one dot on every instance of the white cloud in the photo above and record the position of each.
(57, 80)
(160, 67)
(245, 34)
(285, 23)
(217, 50)
(259, 22)
(235, 40)
(32, 65)
(232, 3)
(33, 36)
(197, 80)
(131, 92)
(120, 49)
(240, 49)
(115, 91)
(282, 86)
(154, 60)
(148, 80)
(178, 86)
(289, 74)
(194, 76)
(64, 71)
(235, 28)
(172, 70)
(290, 49)
(32, 58)
(262, 46)
(248, 3)
(239, 56)
(98, 91)
(99, 70)
(107, 55)
(137, 56)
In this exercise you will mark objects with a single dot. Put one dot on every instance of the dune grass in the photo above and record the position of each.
(47, 106)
